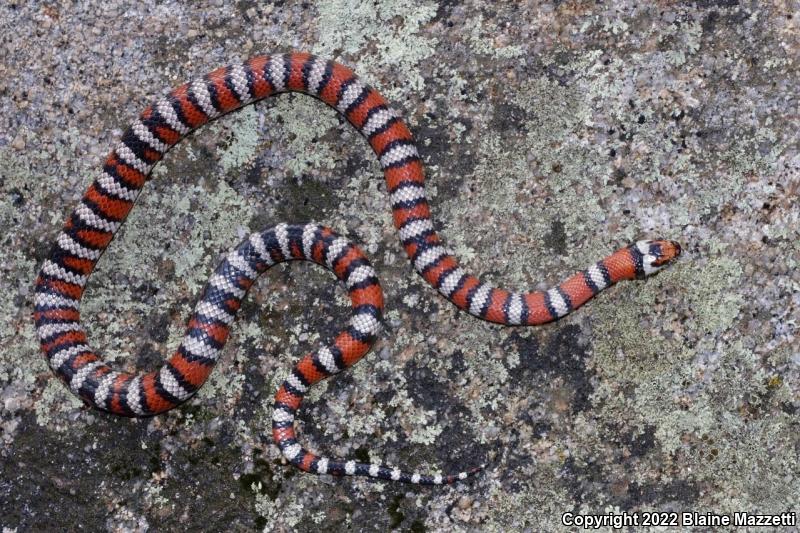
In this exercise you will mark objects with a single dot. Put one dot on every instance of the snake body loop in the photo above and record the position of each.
(91, 227)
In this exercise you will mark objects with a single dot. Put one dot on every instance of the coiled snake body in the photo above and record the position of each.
(104, 207)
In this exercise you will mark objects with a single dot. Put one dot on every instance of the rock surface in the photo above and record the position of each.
(553, 132)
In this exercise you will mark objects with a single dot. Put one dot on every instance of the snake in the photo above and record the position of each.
(104, 207)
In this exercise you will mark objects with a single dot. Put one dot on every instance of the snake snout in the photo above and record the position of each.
(655, 255)
(672, 251)
(665, 252)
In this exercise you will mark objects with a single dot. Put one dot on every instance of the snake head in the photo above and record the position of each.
(656, 254)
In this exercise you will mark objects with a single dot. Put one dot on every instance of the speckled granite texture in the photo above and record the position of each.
(552, 132)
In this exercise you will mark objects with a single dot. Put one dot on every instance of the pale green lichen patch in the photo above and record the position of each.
(21, 360)
(705, 403)
(303, 121)
(538, 504)
(708, 296)
(203, 220)
(391, 31)
(653, 357)
(54, 404)
(537, 178)
(723, 428)
(486, 38)
(19, 342)
(712, 299)
(243, 139)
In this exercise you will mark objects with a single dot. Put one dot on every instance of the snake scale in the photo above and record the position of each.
(105, 205)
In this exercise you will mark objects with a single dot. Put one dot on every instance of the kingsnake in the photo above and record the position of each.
(91, 227)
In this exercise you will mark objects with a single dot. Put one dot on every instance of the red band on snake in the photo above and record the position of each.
(107, 202)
